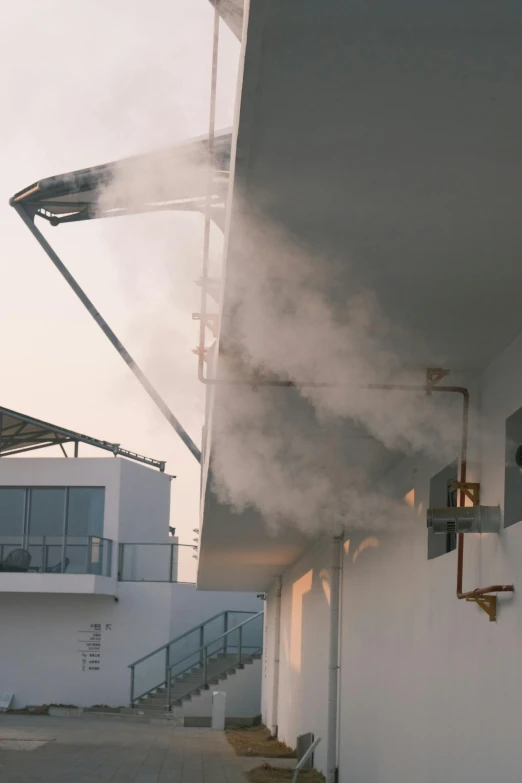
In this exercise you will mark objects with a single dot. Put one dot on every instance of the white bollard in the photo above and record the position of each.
(219, 703)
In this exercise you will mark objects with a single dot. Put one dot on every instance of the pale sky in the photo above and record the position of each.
(82, 84)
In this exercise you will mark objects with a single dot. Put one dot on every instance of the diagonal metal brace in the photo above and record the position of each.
(471, 489)
(198, 351)
(28, 219)
(433, 376)
(211, 321)
(488, 603)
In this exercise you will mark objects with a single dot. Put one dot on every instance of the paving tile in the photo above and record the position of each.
(100, 751)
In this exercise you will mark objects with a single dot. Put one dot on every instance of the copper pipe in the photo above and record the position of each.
(485, 590)
(462, 495)
(478, 591)
(427, 389)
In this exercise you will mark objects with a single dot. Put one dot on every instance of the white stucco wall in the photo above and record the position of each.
(40, 643)
(243, 691)
(303, 650)
(144, 504)
(430, 689)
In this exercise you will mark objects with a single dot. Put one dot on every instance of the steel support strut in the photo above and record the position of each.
(104, 326)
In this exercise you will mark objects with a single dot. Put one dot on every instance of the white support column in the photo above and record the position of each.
(333, 667)
(277, 644)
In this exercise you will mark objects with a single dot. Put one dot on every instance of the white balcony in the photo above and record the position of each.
(57, 583)
(57, 564)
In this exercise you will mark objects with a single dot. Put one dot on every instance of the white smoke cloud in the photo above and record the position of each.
(310, 455)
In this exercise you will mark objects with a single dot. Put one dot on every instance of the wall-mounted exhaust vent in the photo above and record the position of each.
(468, 519)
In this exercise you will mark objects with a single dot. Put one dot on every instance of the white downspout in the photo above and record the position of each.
(333, 667)
(277, 644)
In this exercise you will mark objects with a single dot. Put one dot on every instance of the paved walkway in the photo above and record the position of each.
(82, 751)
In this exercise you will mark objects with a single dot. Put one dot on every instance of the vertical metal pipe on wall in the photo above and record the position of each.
(333, 665)
(277, 644)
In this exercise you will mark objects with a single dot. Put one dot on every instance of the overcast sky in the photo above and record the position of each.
(83, 84)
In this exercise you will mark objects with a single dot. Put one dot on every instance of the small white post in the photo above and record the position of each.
(219, 703)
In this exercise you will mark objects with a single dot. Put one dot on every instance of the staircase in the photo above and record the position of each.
(191, 663)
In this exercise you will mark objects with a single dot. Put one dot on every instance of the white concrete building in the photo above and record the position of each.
(91, 580)
(385, 142)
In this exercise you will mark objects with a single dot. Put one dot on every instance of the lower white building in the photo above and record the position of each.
(91, 581)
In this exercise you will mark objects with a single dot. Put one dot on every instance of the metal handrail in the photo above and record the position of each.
(168, 665)
(191, 630)
(203, 653)
(209, 644)
(305, 758)
(127, 549)
(231, 630)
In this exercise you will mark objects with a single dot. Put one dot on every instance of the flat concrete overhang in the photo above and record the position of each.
(388, 136)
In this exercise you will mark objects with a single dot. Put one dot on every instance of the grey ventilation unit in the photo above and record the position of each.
(468, 519)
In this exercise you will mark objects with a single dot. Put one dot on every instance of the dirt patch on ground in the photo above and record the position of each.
(257, 741)
(269, 774)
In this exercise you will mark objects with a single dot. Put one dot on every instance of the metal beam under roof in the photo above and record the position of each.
(174, 179)
(20, 433)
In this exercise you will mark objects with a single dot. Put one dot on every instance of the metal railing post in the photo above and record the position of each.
(201, 642)
(167, 664)
(225, 630)
(132, 687)
(120, 561)
(44, 555)
(108, 567)
(66, 531)
(89, 555)
(171, 569)
(204, 651)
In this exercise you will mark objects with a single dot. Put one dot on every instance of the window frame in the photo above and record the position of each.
(25, 533)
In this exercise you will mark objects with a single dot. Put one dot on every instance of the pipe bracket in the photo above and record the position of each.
(488, 603)
(433, 376)
(471, 490)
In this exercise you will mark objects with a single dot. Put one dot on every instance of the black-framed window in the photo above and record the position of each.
(51, 511)
(513, 470)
